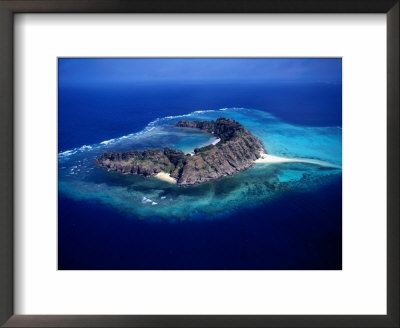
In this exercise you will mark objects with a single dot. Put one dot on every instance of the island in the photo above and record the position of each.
(236, 151)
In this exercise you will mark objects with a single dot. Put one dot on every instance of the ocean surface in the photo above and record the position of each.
(272, 216)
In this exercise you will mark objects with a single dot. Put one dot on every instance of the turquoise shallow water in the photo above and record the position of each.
(152, 198)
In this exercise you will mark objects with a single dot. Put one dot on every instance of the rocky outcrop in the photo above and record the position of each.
(236, 151)
(146, 163)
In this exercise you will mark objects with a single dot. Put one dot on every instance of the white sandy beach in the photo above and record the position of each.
(267, 158)
(216, 141)
(165, 177)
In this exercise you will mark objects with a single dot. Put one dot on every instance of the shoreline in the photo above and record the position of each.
(213, 143)
(271, 159)
(165, 177)
(216, 141)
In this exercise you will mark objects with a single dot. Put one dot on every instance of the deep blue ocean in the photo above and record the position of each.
(297, 229)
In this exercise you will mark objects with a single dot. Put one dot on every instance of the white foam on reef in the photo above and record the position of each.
(84, 147)
(146, 200)
(106, 142)
(68, 153)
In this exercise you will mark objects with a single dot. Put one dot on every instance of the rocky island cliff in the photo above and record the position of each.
(236, 151)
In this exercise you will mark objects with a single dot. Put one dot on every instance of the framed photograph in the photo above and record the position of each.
(199, 164)
(186, 180)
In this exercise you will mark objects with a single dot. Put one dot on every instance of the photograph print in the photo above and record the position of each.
(199, 163)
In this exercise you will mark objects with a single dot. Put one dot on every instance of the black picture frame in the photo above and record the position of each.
(10, 7)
